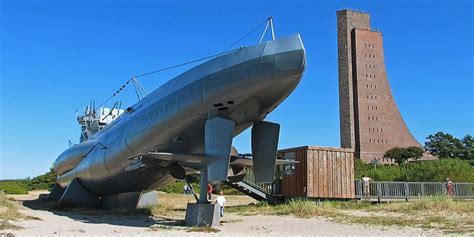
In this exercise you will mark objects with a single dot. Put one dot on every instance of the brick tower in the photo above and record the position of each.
(370, 121)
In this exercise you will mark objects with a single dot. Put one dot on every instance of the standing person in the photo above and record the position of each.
(185, 188)
(366, 183)
(449, 187)
(209, 191)
(221, 201)
(188, 189)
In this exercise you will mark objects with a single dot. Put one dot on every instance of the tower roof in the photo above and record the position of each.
(351, 11)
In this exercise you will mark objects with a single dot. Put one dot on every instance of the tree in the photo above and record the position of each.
(396, 154)
(414, 152)
(400, 155)
(444, 145)
(44, 181)
(437, 171)
(468, 151)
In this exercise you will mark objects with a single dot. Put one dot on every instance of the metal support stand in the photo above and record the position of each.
(191, 187)
(269, 23)
(202, 213)
(203, 186)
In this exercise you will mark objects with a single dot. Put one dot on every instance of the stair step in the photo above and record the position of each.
(253, 191)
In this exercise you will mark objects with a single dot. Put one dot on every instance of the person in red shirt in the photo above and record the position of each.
(209, 191)
(450, 187)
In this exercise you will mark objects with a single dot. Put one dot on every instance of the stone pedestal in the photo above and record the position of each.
(202, 214)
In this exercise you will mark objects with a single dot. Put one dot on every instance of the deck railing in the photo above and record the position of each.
(272, 188)
(410, 190)
(383, 190)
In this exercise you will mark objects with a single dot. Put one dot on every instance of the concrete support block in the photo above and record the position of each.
(129, 201)
(77, 195)
(202, 214)
(56, 193)
(147, 199)
(120, 201)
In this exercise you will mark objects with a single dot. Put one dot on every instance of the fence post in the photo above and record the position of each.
(359, 189)
(422, 189)
(456, 190)
(379, 191)
(407, 191)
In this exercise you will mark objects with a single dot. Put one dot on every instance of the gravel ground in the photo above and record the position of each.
(63, 223)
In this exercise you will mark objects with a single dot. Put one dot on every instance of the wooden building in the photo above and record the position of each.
(326, 173)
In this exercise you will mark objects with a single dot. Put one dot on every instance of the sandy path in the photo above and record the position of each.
(63, 223)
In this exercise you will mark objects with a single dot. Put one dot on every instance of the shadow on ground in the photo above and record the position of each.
(135, 218)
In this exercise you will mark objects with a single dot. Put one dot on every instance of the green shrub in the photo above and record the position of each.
(22, 186)
(401, 154)
(177, 187)
(427, 171)
(15, 186)
(386, 173)
(361, 168)
(44, 181)
(437, 171)
(378, 173)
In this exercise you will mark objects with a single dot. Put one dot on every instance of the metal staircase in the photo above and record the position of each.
(258, 191)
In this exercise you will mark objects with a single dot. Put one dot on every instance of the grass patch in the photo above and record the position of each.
(179, 201)
(299, 208)
(352, 205)
(440, 213)
(162, 209)
(438, 204)
(384, 221)
(8, 212)
(204, 229)
(230, 221)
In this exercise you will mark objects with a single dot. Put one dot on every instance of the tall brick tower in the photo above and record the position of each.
(369, 118)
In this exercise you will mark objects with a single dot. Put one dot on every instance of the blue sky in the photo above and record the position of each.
(55, 57)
